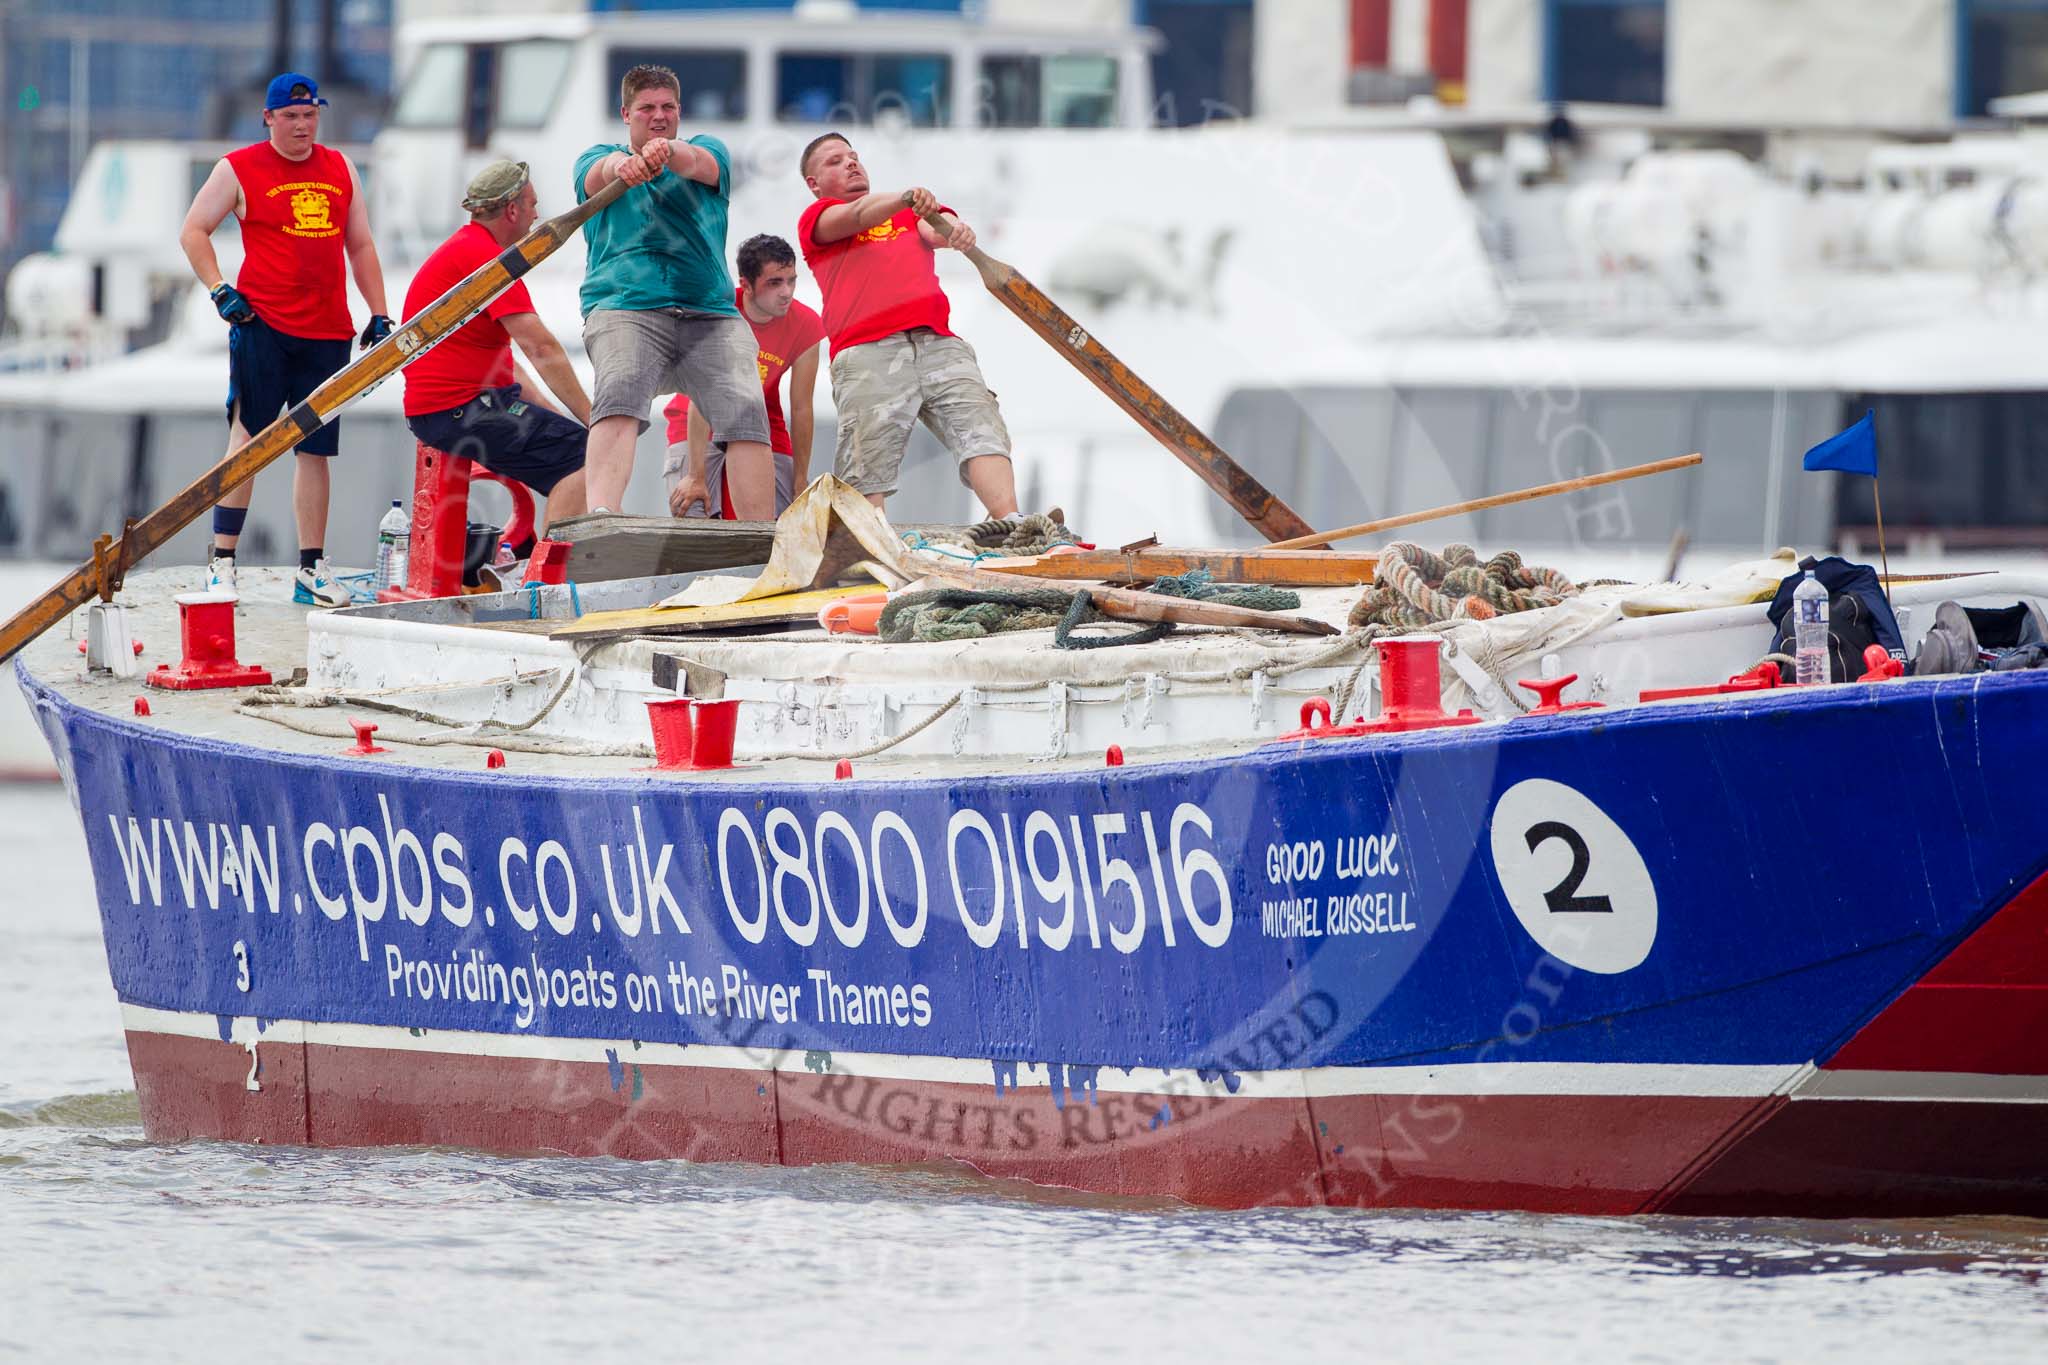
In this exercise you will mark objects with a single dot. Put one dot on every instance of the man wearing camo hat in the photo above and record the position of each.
(469, 396)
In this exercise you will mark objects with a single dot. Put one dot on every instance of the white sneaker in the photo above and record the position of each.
(315, 587)
(220, 578)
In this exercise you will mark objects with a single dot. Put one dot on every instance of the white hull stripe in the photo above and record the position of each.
(1800, 1081)
(1925, 1086)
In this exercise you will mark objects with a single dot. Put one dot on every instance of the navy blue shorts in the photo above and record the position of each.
(509, 436)
(270, 371)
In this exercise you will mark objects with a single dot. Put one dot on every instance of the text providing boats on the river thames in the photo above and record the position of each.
(768, 876)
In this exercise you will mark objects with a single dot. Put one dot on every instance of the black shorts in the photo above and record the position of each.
(509, 436)
(270, 371)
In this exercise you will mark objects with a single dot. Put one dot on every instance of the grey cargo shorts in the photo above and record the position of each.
(639, 354)
(882, 387)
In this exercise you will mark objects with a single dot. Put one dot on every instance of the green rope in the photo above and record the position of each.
(971, 614)
(1081, 612)
(1197, 585)
(963, 614)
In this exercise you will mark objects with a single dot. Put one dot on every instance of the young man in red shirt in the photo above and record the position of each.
(469, 396)
(787, 334)
(303, 213)
(895, 360)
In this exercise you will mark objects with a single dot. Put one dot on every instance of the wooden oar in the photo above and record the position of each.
(433, 324)
(1542, 490)
(1295, 568)
(1250, 498)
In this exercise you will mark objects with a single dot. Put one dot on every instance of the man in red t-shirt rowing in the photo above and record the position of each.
(469, 396)
(894, 359)
(302, 211)
(787, 334)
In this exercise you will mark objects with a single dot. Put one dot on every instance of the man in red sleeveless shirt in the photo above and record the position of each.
(787, 334)
(895, 360)
(469, 396)
(303, 213)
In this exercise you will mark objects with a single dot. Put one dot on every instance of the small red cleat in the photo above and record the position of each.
(366, 742)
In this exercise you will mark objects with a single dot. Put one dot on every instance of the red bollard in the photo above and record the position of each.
(842, 770)
(717, 723)
(1411, 695)
(440, 523)
(440, 527)
(674, 736)
(366, 740)
(495, 759)
(1113, 756)
(549, 563)
(142, 706)
(206, 631)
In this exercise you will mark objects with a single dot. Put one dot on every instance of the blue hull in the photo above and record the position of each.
(1736, 885)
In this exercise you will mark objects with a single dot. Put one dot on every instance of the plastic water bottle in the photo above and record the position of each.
(394, 542)
(1810, 630)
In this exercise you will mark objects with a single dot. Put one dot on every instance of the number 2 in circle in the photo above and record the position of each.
(1610, 932)
(1564, 898)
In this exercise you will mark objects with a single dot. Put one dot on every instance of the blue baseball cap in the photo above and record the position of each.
(292, 88)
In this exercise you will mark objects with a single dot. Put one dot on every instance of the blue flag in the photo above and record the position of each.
(1852, 452)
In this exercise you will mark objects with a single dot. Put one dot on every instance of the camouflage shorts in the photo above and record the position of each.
(882, 387)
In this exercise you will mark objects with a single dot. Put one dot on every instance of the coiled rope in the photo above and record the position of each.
(999, 537)
(1414, 588)
(968, 613)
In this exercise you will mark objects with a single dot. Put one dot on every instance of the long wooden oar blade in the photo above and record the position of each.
(1542, 490)
(438, 321)
(1251, 499)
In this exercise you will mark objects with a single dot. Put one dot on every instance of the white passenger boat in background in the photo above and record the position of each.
(1383, 310)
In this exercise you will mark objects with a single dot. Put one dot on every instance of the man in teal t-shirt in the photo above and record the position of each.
(658, 311)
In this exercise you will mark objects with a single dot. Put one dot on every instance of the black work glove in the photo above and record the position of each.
(376, 330)
(229, 303)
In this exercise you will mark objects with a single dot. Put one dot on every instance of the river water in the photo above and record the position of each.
(112, 1247)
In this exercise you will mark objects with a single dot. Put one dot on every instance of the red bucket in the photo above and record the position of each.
(717, 722)
(670, 719)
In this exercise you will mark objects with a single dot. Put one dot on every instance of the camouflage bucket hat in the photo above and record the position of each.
(494, 184)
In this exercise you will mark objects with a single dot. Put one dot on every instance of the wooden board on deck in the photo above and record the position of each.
(613, 545)
(786, 609)
(1290, 568)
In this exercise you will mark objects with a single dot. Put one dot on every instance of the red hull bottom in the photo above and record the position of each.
(1573, 1153)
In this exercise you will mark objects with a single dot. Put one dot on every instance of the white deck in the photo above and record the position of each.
(1016, 699)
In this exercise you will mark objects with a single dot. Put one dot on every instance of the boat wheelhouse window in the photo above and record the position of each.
(435, 88)
(1605, 51)
(1969, 461)
(714, 80)
(912, 88)
(1064, 91)
(2004, 52)
(479, 93)
(529, 77)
